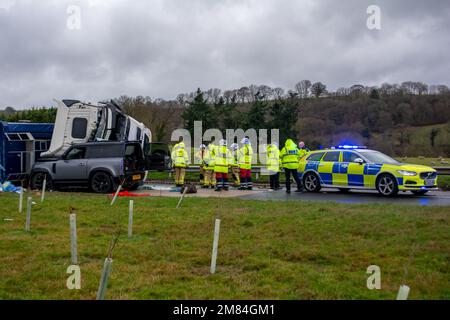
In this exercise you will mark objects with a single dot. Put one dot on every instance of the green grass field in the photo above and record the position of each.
(267, 250)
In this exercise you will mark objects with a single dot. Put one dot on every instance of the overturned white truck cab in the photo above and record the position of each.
(79, 122)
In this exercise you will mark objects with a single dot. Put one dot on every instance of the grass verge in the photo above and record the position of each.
(267, 250)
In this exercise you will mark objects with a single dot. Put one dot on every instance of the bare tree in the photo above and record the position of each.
(303, 87)
(278, 92)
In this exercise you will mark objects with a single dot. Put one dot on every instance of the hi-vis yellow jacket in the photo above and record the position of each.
(245, 156)
(210, 160)
(223, 159)
(179, 155)
(289, 155)
(273, 158)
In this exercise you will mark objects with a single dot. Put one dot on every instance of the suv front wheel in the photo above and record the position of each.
(101, 182)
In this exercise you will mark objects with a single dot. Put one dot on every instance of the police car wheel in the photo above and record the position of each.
(387, 185)
(311, 182)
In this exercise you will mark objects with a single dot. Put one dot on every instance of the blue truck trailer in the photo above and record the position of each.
(21, 143)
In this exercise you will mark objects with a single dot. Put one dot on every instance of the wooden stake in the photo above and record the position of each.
(215, 245)
(27, 223)
(130, 218)
(73, 239)
(104, 280)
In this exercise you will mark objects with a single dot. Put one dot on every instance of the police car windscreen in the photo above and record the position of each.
(377, 157)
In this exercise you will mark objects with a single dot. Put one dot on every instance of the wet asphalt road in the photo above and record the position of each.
(432, 198)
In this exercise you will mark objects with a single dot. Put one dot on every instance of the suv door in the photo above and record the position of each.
(72, 165)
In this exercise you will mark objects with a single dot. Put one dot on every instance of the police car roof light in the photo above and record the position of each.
(346, 146)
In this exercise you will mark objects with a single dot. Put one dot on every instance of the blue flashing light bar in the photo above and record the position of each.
(346, 146)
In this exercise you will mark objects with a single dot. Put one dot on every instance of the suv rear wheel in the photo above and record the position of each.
(387, 185)
(37, 181)
(311, 182)
(101, 182)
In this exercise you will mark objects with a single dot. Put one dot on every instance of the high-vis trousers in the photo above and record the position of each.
(222, 181)
(202, 175)
(180, 173)
(235, 175)
(246, 179)
(210, 179)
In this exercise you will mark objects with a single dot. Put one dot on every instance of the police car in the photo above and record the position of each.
(353, 167)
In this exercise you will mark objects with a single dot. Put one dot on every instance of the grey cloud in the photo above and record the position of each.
(161, 48)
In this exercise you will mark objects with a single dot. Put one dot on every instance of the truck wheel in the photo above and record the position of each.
(311, 182)
(387, 185)
(37, 181)
(101, 182)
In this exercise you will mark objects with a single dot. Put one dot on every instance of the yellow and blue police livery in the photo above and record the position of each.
(353, 167)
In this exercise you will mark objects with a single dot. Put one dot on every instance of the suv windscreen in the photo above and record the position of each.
(75, 153)
(105, 151)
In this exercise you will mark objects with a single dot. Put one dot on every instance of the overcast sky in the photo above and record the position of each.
(161, 48)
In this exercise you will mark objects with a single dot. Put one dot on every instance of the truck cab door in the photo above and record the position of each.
(72, 165)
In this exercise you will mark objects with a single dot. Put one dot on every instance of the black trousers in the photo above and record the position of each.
(288, 173)
(274, 180)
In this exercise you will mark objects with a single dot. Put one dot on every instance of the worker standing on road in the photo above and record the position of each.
(223, 161)
(235, 165)
(273, 165)
(180, 159)
(245, 155)
(201, 156)
(289, 157)
(210, 177)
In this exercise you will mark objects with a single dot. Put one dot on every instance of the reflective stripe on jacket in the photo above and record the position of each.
(179, 155)
(223, 159)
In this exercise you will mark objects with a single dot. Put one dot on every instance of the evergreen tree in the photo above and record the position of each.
(256, 117)
(197, 110)
(284, 114)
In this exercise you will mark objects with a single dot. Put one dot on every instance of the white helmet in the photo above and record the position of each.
(234, 146)
(301, 144)
(223, 142)
(202, 146)
(245, 141)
